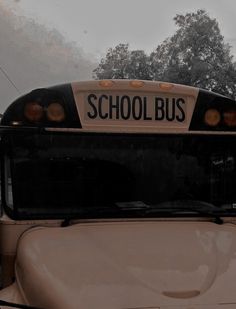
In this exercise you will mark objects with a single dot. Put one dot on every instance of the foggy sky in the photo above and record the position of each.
(32, 56)
(54, 41)
(98, 25)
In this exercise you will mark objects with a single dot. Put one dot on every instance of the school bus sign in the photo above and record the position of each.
(124, 107)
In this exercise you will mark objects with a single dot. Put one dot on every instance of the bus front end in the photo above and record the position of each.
(119, 194)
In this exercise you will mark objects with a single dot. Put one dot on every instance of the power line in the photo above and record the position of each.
(8, 78)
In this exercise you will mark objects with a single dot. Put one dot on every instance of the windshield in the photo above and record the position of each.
(110, 173)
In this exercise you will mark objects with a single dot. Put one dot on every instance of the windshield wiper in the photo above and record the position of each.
(114, 210)
(92, 212)
(173, 208)
(141, 209)
(188, 207)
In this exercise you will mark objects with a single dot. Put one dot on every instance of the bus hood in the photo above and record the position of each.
(138, 264)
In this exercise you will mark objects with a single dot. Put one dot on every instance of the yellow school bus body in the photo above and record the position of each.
(157, 261)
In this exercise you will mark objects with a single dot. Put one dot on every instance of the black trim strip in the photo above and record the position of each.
(4, 303)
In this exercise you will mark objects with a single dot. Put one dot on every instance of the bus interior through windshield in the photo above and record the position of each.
(53, 175)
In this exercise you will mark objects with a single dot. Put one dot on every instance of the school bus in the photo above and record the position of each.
(118, 194)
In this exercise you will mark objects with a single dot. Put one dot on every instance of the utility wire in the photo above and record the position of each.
(8, 78)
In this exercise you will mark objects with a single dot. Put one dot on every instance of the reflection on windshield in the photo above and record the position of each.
(69, 174)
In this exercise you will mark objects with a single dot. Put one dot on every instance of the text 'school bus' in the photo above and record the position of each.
(119, 194)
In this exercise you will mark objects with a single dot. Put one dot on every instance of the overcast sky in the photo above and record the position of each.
(32, 55)
(97, 25)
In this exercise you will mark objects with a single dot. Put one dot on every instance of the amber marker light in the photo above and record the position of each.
(33, 111)
(137, 83)
(230, 118)
(55, 112)
(106, 83)
(166, 86)
(212, 117)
